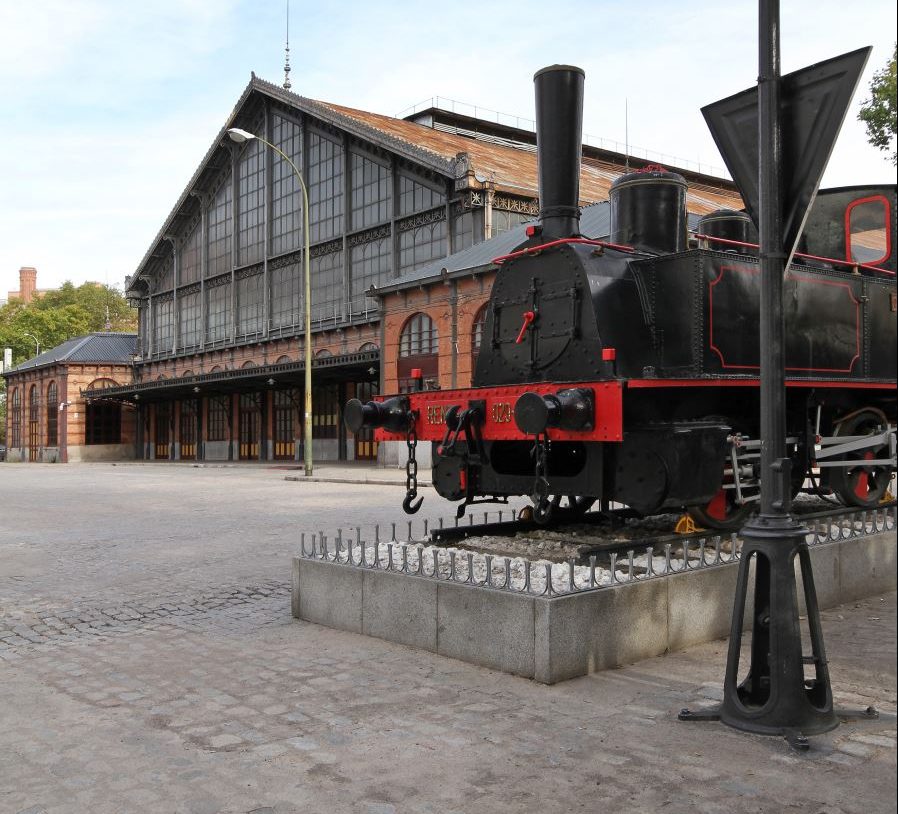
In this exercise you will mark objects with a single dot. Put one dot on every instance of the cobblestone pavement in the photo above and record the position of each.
(148, 663)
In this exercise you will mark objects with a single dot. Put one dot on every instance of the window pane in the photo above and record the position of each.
(220, 229)
(249, 305)
(370, 266)
(868, 236)
(324, 178)
(371, 192)
(327, 286)
(286, 298)
(286, 206)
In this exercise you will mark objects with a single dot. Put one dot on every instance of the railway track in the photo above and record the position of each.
(601, 531)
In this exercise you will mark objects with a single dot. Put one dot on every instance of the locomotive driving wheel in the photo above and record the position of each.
(723, 512)
(863, 484)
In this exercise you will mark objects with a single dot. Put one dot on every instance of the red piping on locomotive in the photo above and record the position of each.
(584, 240)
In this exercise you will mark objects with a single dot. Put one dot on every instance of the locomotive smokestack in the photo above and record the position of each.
(559, 126)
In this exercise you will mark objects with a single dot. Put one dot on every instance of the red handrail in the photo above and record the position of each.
(536, 249)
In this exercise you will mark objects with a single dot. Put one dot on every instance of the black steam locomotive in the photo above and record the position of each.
(627, 370)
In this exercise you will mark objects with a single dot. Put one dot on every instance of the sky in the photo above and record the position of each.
(108, 106)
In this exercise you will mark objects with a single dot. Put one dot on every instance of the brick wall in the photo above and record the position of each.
(453, 306)
(346, 340)
(70, 380)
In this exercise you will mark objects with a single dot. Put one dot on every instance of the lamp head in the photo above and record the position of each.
(240, 136)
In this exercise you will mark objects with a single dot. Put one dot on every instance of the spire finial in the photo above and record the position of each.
(287, 85)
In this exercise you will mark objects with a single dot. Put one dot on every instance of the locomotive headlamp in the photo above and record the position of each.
(391, 414)
(572, 410)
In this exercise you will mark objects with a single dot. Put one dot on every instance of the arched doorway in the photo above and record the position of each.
(188, 420)
(34, 424)
(250, 426)
(418, 348)
(52, 415)
(286, 408)
(161, 451)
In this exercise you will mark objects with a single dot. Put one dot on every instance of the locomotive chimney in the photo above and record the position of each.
(559, 125)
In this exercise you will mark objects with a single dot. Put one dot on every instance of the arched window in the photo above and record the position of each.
(248, 364)
(52, 415)
(187, 373)
(15, 436)
(283, 360)
(34, 422)
(324, 353)
(102, 384)
(477, 335)
(216, 369)
(368, 346)
(418, 348)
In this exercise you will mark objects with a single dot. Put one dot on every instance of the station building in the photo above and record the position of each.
(48, 419)
(218, 371)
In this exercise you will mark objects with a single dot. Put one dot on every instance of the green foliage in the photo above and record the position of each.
(62, 314)
(878, 112)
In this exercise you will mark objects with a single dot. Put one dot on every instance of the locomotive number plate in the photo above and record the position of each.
(436, 414)
(501, 412)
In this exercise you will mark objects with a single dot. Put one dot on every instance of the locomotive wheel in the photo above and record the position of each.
(860, 484)
(576, 506)
(722, 512)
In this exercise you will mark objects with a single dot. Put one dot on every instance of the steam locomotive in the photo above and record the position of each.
(626, 370)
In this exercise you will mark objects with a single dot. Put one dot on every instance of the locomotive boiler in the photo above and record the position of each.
(626, 370)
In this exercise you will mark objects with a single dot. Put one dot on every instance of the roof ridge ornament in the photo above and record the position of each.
(287, 84)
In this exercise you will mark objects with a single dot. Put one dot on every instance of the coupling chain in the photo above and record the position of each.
(411, 467)
(542, 506)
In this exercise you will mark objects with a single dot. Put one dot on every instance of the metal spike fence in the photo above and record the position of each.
(645, 560)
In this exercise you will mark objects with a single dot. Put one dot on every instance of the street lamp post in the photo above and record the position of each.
(37, 343)
(241, 136)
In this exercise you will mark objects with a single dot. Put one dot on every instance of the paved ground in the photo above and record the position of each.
(148, 663)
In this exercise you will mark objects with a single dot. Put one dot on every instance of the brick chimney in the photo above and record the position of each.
(27, 283)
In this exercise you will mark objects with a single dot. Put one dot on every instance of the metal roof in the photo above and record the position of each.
(595, 223)
(356, 366)
(110, 348)
(509, 169)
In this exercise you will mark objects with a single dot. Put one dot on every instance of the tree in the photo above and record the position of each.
(878, 112)
(62, 314)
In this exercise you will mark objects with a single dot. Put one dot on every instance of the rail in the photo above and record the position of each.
(746, 245)
(520, 575)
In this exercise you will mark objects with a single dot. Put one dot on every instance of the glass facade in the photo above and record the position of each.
(286, 211)
(163, 325)
(249, 305)
(324, 178)
(327, 285)
(371, 192)
(220, 229)
(371, 265)
(191, 256)
(373, 217)
(189, 328)
(251, 204)
(422, 244)
(286, 295)
(415, 196)
(218, 312)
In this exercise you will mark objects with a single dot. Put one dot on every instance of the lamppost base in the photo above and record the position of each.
(783, 691)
